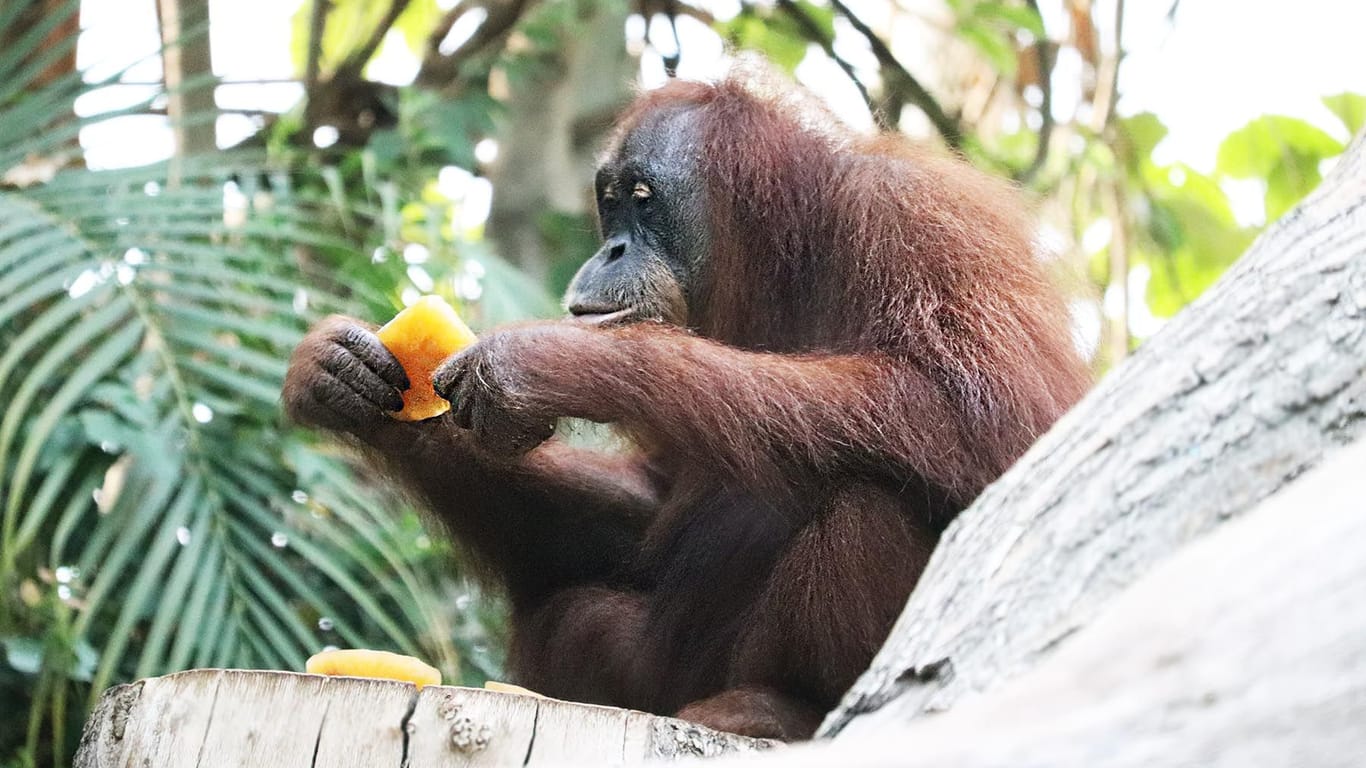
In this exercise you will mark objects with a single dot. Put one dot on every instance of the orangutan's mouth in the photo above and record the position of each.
(594, 315)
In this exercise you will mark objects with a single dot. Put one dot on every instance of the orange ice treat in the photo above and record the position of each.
(421, 337)
(381, 664)
(494, 685)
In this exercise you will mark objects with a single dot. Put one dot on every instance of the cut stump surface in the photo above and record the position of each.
(224, 717)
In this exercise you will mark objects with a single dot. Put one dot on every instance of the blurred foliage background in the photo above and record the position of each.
(155, 512)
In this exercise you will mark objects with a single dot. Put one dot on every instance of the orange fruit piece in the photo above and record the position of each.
(421, 337)
(381, 664)
(494, 685)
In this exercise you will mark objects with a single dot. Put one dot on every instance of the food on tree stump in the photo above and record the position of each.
(421, 337)
(494, 685)
(382, 664)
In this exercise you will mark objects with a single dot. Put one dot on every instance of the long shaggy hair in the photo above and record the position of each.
(823, 242)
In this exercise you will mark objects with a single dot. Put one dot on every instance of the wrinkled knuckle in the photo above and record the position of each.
(333, 359)
(353, 335)
(345, 366)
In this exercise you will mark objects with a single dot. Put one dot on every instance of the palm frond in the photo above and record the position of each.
(146, 483)
(149, 311)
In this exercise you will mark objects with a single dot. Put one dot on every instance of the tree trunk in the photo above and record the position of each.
(1244, 391)
(1246, 649)
(550, 136)
(216, 718)
(188, 71)
(63, 32)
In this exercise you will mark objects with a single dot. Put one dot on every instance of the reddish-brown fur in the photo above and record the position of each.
(874, 341)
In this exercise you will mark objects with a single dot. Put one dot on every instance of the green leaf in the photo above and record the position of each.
(1193, 236)
(416, 24)
(991, 43)
(349, 23)
(1350, 108)
(823, 16)
(508, 295)
(776, 36)
(1288, 183)
(127, 305)
(1139, 136)
(1284, 151)
(1258, 147)
(1010, 17)
(23, 654)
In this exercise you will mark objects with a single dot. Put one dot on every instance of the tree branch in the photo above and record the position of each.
(648, 8)
(356, 61)
(1044, 56)
(902, 81)
(671, 62)
(438, 69)
(443, 27)
(187, 67)
(317, 24)
(1112, 200)
(817, 35)
(1107, 89)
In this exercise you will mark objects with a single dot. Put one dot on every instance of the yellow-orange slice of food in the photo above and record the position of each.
(494, 685)
(381, 664)
(421, 337)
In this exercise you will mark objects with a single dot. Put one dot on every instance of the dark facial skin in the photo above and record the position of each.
(652, 217)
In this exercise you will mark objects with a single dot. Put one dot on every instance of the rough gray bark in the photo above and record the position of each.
(1248, 388)
(1247, 648)
(229, 718)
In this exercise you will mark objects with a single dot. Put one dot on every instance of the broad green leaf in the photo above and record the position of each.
(1283, 151)
(1288, 182)
(144, 337)
(1350, 109)
(774, 35)
(1255, 149)
(1194, 232)
(1139, 136)
(416, 23)
(349, 23)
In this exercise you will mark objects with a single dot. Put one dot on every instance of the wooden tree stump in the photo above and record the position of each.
(214, 718)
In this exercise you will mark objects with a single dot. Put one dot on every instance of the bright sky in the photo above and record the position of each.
(1228, 61)
(1222, 63)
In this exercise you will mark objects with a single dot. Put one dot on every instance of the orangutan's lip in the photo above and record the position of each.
(601, 316)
